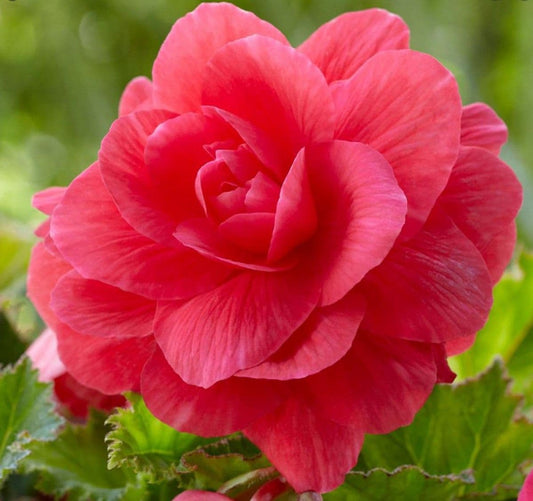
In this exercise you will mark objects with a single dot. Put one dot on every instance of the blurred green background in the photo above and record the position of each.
(64, 64)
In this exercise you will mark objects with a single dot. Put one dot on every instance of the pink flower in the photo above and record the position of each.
(526, 494)
(284, 241)
(73, 398)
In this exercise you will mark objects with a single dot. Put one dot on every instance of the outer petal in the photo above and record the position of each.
(44, 357)
(322, 340)
(46, 200)
(89, 232)
(279, 98)
(179, 69)
(378, 387)
(526, 493)
(225, 407)
(44, 271)
(432, 288)
(499, 251)
(341, 46)
(108, 365)
(235, 326)
(136, 96)
(97, 309)
(361, 211)
(312, 453)
(405, 105)
(481, 126)
(482, 197)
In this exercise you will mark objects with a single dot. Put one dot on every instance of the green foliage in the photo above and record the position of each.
(406, 483)
(27, 415)
(75, 464)
(142, 443)
(11, 347)
(473, 426)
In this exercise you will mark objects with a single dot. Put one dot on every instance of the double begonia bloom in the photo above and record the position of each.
(284, 241)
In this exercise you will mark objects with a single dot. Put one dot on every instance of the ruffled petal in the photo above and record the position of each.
(90, 233)
(109, 365)
(483, 197)
(46, 200)
(361, 211)
(179, 69)
(482, 127)
(432, 288)
(44, 271)
(405, 105)
(378, 387)
(235, 326)
(273, 96)
(324, 338)
(342, 45)
(311, 452)
(225, 407)
(100, 309)
(136, 96)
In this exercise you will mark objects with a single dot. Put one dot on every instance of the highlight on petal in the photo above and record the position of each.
(324, 338)
(101, 310)
(432, 288)
(235, 326)
(91, 234)
(378, 386)
(405, 105)
(179, 69)
(483, 197)
(311, 452)
(273, 96)
(44, 357)
(361, 211)
(136, 96)
(342, 45)
(109, 365)
(224, 408)
(482, 127)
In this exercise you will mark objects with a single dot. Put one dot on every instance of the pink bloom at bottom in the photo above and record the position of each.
(286, 241)
(526, 494)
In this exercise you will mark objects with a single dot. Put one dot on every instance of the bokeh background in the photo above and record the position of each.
(64, 63)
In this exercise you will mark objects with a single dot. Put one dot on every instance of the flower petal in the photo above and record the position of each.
(342, 45)
(482, 197)
(378, 387)
(90, 233)
(279, 99)
(406, 106)
(312, 453)
(109, 365)
(361, 211)
(46, 200)
(482, 127)
(235, 326)
(179, 68)
(136, 96)
(223, 408)
(432, 288)
(498, 252)
(324, 338)
(44, 357)
(100, 309)
(196, 495)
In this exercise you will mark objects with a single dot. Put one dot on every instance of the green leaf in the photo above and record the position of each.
(146, 445)
(406, 483)
(26, 414)
(469, 426)
(75, 464)
(213, 465)
(510, 319)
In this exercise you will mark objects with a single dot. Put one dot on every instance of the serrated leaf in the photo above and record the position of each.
(76, 464)
(471, 425)
(406, 483)
(146, 445)
(26, 414)
(507, 327)
(211, 466)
